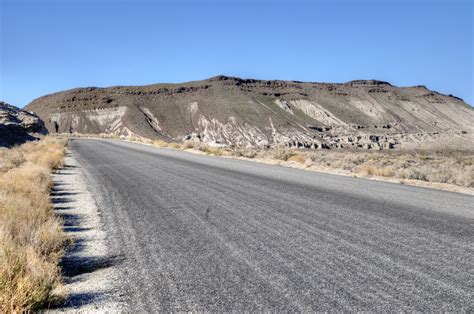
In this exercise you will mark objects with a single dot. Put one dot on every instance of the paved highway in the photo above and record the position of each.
(196, 232)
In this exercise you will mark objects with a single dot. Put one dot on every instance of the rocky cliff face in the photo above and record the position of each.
(18, 126)
(224, 111)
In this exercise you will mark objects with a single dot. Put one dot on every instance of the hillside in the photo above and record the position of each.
(224, 111)
(18, 126)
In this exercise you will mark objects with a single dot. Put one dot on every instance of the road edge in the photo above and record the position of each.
(88, 266)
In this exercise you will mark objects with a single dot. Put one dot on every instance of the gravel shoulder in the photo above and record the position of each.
(88, 266)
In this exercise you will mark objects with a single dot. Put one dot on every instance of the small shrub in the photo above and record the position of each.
(160, 143)
(297, 158)
(368, 170)
(244, 152)
(174, 145)
(415, 174)
(282, 153)
(217, 151)
(146, 141)
(384, 172)
(188, 145)
(249, 153)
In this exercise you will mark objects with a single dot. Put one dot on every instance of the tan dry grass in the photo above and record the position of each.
(31, 235)
(455, 168)
(216, 151)
(160, 143)
(298, 159)
(174, 145)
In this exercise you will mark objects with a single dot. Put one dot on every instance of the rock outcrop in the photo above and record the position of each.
(229, 111)
(18, 126)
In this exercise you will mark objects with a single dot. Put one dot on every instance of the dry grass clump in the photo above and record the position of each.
(174, 145)
(160, 143)
(368, 171)
(281, 153)
(244, 152)
(188, 145)
(298, 159)
(216, 151)
(31, 235)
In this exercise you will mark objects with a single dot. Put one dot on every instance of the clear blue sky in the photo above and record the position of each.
(48, 46)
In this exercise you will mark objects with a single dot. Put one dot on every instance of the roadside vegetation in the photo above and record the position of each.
(32, 240)
(455, 168)
(446, 167)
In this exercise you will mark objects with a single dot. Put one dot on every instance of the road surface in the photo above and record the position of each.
(194, 232)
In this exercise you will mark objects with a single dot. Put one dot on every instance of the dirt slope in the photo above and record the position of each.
(245, 112)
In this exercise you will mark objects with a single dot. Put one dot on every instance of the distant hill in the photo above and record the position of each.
(224, 110)
(18, 126)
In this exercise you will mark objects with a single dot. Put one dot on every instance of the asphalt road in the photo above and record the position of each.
(205, 233)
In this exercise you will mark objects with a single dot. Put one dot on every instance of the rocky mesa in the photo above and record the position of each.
(18, 126)
(230, 111)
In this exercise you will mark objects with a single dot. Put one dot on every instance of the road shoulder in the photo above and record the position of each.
(88, 266)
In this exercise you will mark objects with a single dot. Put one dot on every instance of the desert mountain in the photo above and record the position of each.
(246, 112)
(18, 126)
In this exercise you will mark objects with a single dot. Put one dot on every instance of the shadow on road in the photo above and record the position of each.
(75, 266)
(75, 300)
